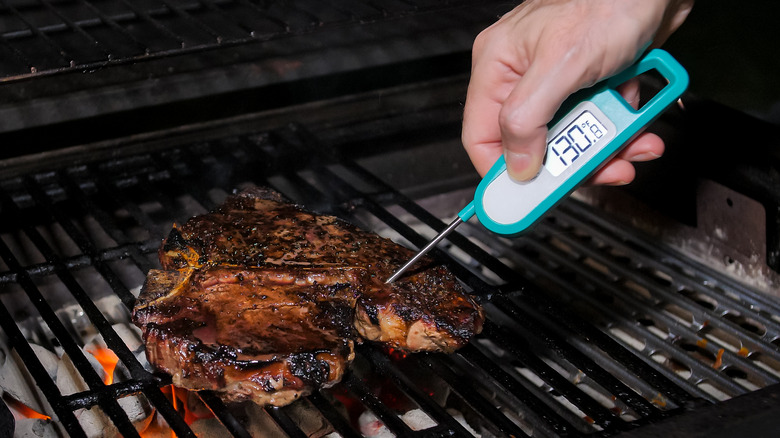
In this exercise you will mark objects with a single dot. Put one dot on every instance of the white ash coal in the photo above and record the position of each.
(416, 419)
(32, 413)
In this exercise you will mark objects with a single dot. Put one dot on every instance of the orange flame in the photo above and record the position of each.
(108, 360)
(185, 403)
(24, 410)
(189, 405)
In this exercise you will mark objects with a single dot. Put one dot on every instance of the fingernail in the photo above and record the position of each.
(645, 156)
(518, 165)
(616, 183)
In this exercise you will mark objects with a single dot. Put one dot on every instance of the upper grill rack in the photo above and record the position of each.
(41, 37)
(591, 330)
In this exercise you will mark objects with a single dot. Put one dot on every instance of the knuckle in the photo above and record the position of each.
(513, 122)
(481, 40)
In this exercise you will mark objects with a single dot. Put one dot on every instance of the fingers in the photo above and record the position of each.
(620, 170)
(481, 134)
(491, 81)
(647, 146)
(630, 92)
(674, 16)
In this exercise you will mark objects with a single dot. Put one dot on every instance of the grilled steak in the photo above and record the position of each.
(262, 300)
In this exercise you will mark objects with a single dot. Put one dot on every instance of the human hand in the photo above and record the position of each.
(526, 64)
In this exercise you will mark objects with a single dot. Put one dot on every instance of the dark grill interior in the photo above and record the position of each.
(592, 328)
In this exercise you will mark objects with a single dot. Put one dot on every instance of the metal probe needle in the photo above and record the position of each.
(427, 248)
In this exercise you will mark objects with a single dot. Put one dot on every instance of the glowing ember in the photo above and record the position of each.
(108, 360)
(719, 359)
(156, 428)
(395, 353)
(188, 404)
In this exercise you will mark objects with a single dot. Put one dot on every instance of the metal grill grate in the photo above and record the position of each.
(53, 36)
(592, 330)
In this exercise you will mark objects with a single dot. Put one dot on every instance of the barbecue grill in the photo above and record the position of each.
(121, 118)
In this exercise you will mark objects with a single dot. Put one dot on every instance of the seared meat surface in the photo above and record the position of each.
(262, 300)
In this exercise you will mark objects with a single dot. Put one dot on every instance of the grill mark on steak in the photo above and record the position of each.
(261, 300)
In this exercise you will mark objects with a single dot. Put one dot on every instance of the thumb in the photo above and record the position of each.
(528, 109)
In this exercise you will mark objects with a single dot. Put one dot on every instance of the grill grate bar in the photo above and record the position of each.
(194, 22)
(678, 328)
(122, 31)
(648, 337)
(172, 417)
(68, 344)
(148, 18)
(551, 419)
(658, 376)
(385, 367)
(110, 336)
(285, 422)
(225, 417)
(520, 349)
(699, 368)
(465, 388)
(124, 245)
(34, 366)
(381, 410)
(117, 390)
(89, 40)
(81, 261)
(37, 32)
(112, 23)
(335, 418)
(101, 394)
(709, 318)
(656, 258)
(212, 6)
(550, 334)
(59, 330)
(664, 258)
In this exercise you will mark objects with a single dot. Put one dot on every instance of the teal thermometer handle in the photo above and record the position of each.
(592, 126)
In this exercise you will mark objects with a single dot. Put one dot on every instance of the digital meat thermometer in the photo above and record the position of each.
(591, 127)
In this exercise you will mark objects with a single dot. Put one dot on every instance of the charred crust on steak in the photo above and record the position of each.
(262, 300)
(307, 367)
